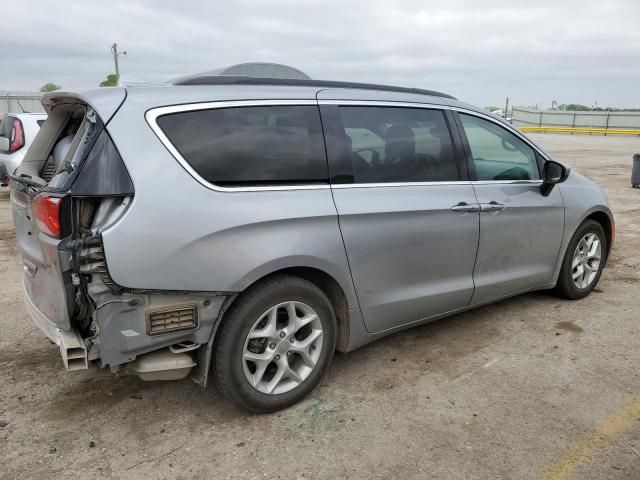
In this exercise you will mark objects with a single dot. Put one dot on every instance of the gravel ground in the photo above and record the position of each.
(528, 388)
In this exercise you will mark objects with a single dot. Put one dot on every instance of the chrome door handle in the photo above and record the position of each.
(491, 207)
(464, 207)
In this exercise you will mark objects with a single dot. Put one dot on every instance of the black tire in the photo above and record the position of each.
(238, 322)
(565, 287)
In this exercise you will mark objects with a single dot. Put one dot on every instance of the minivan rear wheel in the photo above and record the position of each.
(275, 344)
(583, 261)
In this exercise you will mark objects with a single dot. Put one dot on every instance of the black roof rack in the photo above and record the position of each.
(238, 80)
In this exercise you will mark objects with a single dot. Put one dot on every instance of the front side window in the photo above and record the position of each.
(390, 144)
(497, 153)
(251, 146)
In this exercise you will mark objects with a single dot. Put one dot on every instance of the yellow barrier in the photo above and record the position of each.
(606, 131)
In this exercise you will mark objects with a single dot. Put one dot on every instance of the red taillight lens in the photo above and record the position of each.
(46, 211)
(17, 136)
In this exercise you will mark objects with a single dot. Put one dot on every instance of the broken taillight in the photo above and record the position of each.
(46, 211)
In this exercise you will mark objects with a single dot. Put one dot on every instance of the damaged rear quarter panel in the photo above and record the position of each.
(181, 235)
(122, 322)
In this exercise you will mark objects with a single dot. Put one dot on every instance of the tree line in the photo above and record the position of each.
(110, 81)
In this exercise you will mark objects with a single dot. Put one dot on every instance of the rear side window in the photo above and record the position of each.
(390, 144)
(251, 146)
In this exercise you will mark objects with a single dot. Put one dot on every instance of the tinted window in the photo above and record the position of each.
(497, 153)
(389, 144)
(251, 145)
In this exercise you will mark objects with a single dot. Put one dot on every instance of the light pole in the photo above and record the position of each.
(114, 51)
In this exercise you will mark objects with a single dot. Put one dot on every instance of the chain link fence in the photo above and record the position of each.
(19, 102)
(528, 118)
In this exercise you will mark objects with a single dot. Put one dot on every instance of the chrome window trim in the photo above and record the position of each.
(384, 103)
(507, 182)
(432, 184)
(153, 114)
(399, 184)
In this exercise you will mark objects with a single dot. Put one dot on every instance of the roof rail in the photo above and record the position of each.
(241, 80)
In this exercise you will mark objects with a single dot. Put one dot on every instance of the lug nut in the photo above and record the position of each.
(291, 339)
(313, 347)
(272, 346)
(277, 357)
(282, 334)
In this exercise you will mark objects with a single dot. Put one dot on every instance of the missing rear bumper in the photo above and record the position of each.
(72, 348)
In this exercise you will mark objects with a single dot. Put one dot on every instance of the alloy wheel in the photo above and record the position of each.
(586, 260)
(282, 347)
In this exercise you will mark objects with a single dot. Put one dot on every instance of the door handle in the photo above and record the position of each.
(491, 207)
(464, 207)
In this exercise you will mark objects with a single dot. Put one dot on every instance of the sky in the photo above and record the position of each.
(533, 52)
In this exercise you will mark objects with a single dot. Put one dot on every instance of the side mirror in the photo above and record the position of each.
(552, 173)
(4, 144)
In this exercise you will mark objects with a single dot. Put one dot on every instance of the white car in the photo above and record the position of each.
(17, 131)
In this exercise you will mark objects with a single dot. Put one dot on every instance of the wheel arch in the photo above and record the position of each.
(605, 219)
(340, 293)
(599, 213)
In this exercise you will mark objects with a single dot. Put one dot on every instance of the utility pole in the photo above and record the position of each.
(115, 53)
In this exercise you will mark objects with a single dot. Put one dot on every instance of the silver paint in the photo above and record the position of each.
(399, 252)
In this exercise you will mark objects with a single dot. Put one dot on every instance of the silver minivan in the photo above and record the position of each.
(248, 228)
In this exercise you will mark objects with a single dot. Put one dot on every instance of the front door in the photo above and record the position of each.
(520, 229)
(407, 213)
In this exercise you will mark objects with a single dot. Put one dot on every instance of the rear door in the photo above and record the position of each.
(407, 213)
(520, 229)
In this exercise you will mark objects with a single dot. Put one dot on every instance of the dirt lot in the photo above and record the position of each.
(532, 387)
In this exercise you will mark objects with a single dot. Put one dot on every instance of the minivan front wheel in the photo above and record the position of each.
(275, 344)
(583, 261)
